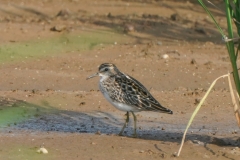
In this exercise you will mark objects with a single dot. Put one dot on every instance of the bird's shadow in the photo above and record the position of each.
(20, 115)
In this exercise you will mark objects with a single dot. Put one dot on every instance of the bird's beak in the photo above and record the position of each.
(94, 75)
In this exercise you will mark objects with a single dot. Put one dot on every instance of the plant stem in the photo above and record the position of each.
(230, 47)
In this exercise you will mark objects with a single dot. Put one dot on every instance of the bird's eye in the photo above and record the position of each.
(106, 69)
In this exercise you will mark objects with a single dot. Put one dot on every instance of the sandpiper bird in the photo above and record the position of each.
(126, 93)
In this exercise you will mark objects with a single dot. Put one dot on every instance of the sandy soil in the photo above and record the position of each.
(46, 100)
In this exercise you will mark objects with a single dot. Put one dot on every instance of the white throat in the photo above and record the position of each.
(103, 77)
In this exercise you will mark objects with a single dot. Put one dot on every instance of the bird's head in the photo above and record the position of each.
(105, 70)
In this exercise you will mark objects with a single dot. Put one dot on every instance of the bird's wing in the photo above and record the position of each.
(135, 94)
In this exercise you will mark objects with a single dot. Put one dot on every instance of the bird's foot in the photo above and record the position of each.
(120, 134)
(135, 135)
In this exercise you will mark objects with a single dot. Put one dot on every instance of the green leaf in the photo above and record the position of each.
(211, 16)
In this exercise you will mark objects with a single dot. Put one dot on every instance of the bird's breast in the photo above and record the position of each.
(120, 106)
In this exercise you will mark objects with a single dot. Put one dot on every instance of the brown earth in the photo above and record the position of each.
(46, 100)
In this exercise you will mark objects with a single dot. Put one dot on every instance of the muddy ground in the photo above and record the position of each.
(49, 47)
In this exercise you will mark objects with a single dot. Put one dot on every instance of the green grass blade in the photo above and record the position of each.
(211, 16)
(230, 46)
(236, 15)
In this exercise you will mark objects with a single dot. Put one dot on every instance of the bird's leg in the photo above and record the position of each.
(125, 124)
(135, 125)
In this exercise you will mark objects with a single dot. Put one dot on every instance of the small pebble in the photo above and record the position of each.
(42, 150)
(165, 56)
(58, 28)
(193, 61)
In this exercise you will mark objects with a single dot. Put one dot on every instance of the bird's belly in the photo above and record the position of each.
(124, 107)
(118, 105)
